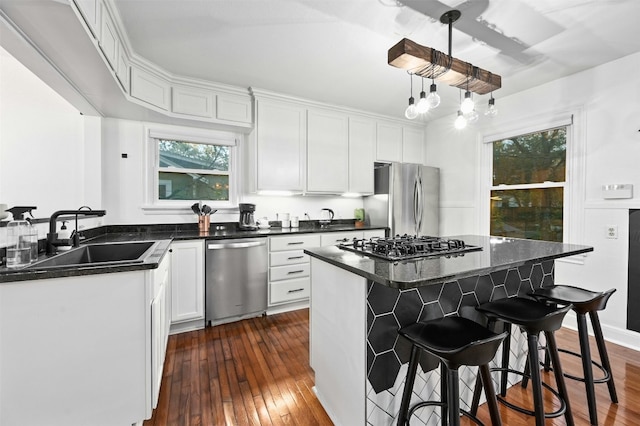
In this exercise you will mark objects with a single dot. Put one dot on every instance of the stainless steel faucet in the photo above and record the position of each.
(52, 236)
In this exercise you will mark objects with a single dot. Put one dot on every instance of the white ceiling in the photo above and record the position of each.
(335, 51)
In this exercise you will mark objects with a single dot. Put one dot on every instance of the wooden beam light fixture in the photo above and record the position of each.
(431, 63)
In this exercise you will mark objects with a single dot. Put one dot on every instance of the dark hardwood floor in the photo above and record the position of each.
(256, 372)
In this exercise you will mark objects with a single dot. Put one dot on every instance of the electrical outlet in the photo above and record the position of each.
(612, 231)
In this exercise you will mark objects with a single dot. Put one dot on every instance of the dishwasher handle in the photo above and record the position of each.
(220, 246)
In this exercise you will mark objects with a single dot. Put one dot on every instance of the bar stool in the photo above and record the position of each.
(532, 317)
(455, 341)
(585, 302)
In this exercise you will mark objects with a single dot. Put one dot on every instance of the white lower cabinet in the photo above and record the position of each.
(187, 284)
(289, 268)
(160, 322)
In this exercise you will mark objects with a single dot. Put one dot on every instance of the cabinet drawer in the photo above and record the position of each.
(334, 238)
(278, 273)
(281, 258)
(294, 242)
(285, 291)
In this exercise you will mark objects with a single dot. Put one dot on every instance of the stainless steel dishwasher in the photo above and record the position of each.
(235, 278)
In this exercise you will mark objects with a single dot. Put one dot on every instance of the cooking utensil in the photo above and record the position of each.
(206, 209)
(196, 209)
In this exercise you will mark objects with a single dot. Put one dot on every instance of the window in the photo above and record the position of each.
(528, 185)
(193, 171)
(191, 165)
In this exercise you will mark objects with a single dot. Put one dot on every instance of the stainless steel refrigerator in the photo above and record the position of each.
(406, 199)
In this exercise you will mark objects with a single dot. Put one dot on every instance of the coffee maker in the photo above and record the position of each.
(247, 220)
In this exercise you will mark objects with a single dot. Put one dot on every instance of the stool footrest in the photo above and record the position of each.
(422, 404)
(550, 415)
(606, 374)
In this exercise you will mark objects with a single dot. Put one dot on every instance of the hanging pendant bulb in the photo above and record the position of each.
(411, 112)
(491, 111)
(472, 117)
(460, 122)
(433, 100)
(467, 104)
(423, 105)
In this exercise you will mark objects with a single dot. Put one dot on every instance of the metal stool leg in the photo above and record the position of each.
(444, 393)
(587, 368)
(506, 351)
(408, 385)
(536, 381)
(475, 402)
(552, 353)
(453, 397)
(490, 392)
(604, 357)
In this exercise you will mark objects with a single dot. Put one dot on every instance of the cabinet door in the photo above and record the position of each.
(412, 145)
(362, 146)
(187, 281)
(280, 138)
(233, 108)
(109, 41)
(389, 142)
(90, 10)
(327, 152)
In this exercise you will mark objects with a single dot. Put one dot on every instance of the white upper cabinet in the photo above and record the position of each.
(150, 88)
(412, 145)
(389, 142)
(90, 10)
(109, 41)
(280, 139)
(327, 152)
(233, 108)
(190, 101)
(362, 145)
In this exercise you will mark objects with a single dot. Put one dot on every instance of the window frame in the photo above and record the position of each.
(200, 136)
(574, 191)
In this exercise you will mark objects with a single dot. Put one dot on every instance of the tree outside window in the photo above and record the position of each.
(527, 193)
(193, 171)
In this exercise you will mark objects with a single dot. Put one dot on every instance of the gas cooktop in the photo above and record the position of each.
(403, 247)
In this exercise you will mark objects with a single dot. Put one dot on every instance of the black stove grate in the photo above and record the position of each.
(408, 247)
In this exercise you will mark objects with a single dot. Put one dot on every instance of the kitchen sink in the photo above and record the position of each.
(99, 255)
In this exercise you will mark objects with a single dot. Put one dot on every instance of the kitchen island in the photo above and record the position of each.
(358, 303)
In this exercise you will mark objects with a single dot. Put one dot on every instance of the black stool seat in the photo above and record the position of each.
(585, 302)
(455, 341)
(533, 317)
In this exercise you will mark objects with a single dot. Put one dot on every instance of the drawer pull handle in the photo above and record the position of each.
(295, 243)
(295, 272)
(296, 290)
(295, 257)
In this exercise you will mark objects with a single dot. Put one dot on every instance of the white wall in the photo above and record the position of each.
(49, 153)
(124, 185)
(609, 101)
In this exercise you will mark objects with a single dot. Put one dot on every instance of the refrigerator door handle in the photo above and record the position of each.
(420, 206)
(417, 204)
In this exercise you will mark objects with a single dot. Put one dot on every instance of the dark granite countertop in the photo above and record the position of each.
(165, 234)
(498, 253)
(33, 272)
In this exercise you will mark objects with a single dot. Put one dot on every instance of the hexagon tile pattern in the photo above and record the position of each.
(390, 309)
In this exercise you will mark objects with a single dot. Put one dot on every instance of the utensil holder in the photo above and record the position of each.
(203, 224)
